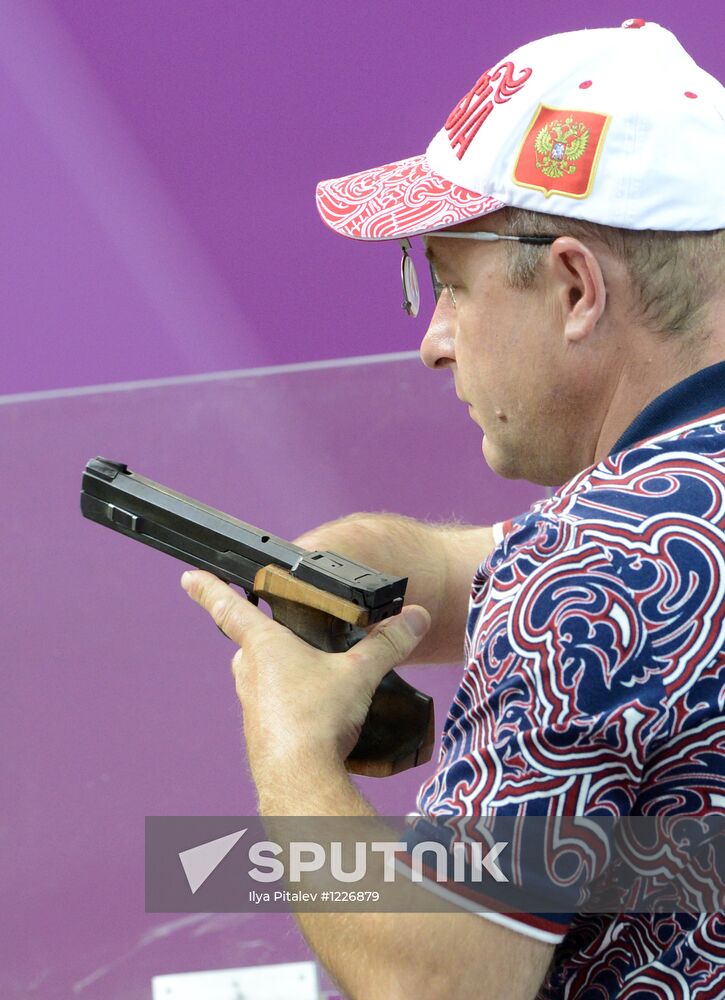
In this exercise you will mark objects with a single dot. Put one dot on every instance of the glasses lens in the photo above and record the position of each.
(411, 289)
(438, 286)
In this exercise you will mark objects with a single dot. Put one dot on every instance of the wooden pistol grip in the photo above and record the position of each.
(399, 730)
(273, 582)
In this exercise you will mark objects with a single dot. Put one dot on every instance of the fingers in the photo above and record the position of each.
(234, 616)
(388, 644)
(237, 665)
(391, 642)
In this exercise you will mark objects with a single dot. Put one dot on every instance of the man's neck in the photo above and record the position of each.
(650, 372)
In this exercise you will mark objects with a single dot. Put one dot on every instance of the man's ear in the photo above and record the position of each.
(578, 286)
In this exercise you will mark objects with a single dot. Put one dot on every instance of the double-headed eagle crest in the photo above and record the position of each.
(558, 145)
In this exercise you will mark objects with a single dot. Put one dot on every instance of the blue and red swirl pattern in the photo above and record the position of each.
(593, 686)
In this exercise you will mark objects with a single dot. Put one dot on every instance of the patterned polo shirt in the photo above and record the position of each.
(593, 681)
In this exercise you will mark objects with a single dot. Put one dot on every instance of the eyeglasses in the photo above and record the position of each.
(411, 288)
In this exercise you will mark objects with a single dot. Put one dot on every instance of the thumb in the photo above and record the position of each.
(391, 642)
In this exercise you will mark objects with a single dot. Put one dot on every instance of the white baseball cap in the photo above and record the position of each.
(616, 126)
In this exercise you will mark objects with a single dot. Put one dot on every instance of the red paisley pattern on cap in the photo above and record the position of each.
(397, 199)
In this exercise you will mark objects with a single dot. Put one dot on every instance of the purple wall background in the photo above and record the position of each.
(160, 159)
(151, 228)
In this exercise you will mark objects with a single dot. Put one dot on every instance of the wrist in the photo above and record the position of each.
(290, 775)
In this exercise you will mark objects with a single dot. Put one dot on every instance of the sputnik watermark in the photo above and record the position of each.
(306, 857)
(422, 864)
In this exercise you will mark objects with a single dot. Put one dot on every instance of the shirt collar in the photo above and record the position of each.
(695, 396)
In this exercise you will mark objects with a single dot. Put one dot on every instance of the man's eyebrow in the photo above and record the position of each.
(439, 264)
(432, 257)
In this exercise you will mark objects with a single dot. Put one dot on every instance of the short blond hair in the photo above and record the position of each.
(675, 276)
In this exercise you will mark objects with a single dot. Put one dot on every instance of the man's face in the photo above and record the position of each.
(508, 357)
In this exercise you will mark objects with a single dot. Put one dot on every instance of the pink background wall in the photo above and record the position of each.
(160, 159)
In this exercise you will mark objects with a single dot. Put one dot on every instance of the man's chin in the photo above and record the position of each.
(498, 461)
(505, 465)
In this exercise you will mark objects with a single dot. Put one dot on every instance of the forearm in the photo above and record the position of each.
(343, 942)
(438, 559)
(426, 956)
(403, 955)
(390, 955)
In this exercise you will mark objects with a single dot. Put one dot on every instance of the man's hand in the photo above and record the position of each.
(296, 699)
(439, 561)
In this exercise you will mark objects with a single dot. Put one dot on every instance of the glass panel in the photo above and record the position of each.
(117, 697)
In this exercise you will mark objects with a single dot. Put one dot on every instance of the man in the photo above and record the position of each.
(571, 209)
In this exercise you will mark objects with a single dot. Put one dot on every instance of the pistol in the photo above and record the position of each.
(324, 598)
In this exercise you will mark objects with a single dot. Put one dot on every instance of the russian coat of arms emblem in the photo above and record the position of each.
(559, 145)
(560, 152)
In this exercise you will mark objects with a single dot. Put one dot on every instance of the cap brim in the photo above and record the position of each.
(397, 200)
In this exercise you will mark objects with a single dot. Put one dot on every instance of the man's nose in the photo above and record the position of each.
(437, 349)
